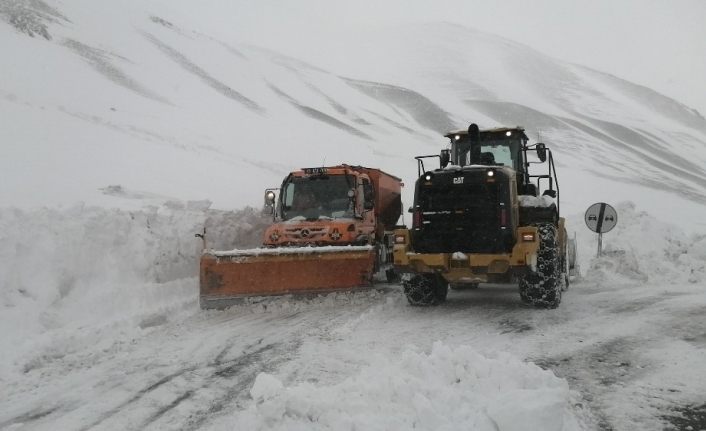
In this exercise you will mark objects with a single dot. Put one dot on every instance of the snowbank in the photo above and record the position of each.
(536, 201)
(68, 274)
(449, 388)
(641, 248)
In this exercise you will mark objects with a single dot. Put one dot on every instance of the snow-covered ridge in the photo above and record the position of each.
(151, 103)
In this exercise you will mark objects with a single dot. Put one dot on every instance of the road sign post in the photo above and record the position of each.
(601, 218)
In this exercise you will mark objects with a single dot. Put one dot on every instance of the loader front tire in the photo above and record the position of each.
(542, 287)
(426, 289)
(564, 279)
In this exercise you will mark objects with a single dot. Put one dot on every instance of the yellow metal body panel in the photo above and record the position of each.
(467, 267)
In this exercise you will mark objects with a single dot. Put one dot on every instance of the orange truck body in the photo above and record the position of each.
(337, 252)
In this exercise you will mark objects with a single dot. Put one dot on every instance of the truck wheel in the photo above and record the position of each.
(391, 276)
(442, 288)
(426, 289)
(542, 287)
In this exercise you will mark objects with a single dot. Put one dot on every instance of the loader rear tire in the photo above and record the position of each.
(426, 289)
(542, 288)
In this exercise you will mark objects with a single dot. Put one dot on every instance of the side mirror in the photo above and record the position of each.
(550, 193)
(444, 158)
(269, 207)
(270, 197)
(541, 152)
(368, 197)
(410, 210)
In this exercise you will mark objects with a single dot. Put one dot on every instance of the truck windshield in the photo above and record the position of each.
(317, 197)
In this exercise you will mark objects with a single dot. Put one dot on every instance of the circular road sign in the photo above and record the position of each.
(601, 217)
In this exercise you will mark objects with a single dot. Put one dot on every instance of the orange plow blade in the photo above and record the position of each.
(227, 277)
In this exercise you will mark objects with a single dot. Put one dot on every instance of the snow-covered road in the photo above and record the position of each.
(610, 342)
(108, 335)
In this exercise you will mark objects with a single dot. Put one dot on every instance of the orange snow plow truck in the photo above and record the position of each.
(332, 230)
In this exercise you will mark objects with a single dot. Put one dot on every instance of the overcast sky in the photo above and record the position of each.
(657, 43)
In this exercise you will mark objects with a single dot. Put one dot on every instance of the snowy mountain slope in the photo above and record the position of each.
(600, 125)
(139, 99)
(144, 105)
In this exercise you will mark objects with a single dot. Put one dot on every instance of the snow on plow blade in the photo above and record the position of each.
(228, 276)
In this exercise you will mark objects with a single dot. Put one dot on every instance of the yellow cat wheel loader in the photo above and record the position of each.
(484, 217)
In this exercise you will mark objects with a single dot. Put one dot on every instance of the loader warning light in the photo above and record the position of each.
(528, 237)
(399, 239)
(491, 173)
(508, 133)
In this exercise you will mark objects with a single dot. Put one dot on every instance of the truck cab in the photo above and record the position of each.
(339, 205)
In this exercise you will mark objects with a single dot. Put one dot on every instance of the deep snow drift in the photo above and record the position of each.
(67, 271)
(449, 388)
(73, 309)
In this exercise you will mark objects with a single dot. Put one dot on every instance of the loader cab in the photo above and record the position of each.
(473, 202)
(494, 147)
(504, 146)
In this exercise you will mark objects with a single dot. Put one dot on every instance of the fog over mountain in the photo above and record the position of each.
(95, 94)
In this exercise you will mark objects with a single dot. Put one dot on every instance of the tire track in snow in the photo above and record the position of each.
(135, 398)
(30, 416)
(224, 381)
(184, 374)
(246, 368)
